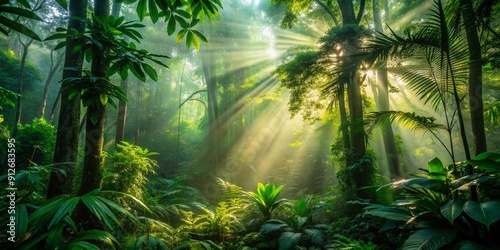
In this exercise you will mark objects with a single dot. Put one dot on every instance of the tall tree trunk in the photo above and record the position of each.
(122, 106)
(94, 130)
(52, 72)
(362, 174)
(66, 150)
(383, 105)
(209, 70)
(94, 141)
(475, 78)
(19, 105)
(346, 140)
(137, 134)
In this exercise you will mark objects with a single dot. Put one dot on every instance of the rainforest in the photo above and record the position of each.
(250, 124)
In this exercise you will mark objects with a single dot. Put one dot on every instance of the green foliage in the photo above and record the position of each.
(127, 169)
(6, 98)
(296, 230)
(442, 210)
(343, 242)
(9, 18)
(265, 198)
(187, 14)
(35, 143)
(51, 225)
(9, 81)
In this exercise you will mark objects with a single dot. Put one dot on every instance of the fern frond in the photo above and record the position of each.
(406, 119)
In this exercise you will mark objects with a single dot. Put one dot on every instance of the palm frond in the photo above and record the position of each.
(406, 119)
(492, 113)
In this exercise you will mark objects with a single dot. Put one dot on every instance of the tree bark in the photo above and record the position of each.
(94, 129)
(122, 106)
(66, 150)
(475, 87)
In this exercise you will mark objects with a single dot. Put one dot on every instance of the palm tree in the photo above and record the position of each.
(438, 45)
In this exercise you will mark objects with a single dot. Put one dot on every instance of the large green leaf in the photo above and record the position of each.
(20, 12)
(452, 209)
(431, 184)
(391, 213)
(430, 239)
(19, 28)
(288, 240)
(436, 169)
(486, 213)
(21, 220)
(470, 245)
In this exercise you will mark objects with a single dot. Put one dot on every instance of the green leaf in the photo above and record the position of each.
(60, 45)
(189, 39)
(142, 9)
(485, 213)
(103, 98)
(20, 12)
(301, 208)
(171, 25)
(96, 235)
(94, 118)
(56, 36)
(124, 72)
(430, 239)
(196, 42)
(452, 209)
(63, 4)
(470, 245)
(288, 240)
(24, 3)
(180, 35)
(64, 209)
(201, 36)
(436, 169)
(494, 156)
(137, 71)
(391, 213)
(21, 221)
(115, 67)
(153, 11)
(431, 184)
(150, 71)
(19, 28)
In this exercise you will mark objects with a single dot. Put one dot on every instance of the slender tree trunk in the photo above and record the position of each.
(19, 105)
(343, 121)
(122, 106)
(52, 72)
(475, 78)
(137, 134)
(383, 105)
(66, 150)
(208, 63)
(54, 107)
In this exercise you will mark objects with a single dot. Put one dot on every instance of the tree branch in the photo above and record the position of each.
(329, 11)
(361, 10)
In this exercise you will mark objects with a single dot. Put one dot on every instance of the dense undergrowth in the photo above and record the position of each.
(443, 208)
(429, 211)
